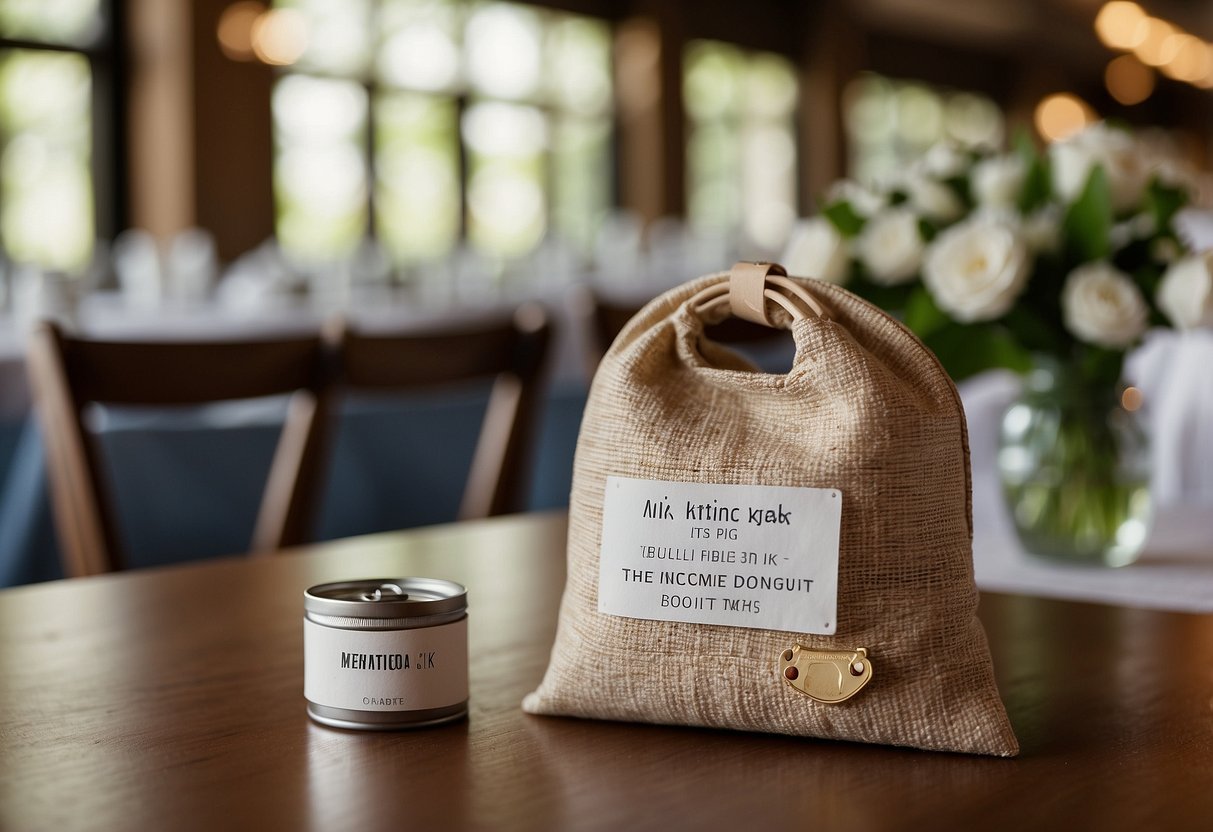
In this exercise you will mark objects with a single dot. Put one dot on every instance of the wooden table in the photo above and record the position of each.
(173, 699)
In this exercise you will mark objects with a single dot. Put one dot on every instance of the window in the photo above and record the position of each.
(429, 121)
(48, 49)
(891, 123)
(741, 142)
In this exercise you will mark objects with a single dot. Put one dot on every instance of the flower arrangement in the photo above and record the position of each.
(995, 258)
(1056, 262)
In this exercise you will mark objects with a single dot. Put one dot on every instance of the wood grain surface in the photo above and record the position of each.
(173, 699)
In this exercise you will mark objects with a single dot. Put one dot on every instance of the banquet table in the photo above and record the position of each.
(171, 698)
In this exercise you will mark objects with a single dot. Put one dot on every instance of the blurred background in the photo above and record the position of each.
(490, 131)
(203, 166)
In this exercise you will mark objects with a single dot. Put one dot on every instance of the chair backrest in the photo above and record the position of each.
(68, 374)
(509, 352)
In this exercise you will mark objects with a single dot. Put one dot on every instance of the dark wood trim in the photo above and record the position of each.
(233, 140)
(111, 139)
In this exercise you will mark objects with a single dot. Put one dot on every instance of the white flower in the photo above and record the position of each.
(816, 249)
(1103, 306)
(976, 269)
(943, 161)
(1121, 158)
(863, 201)
(932, 198)
(1041, 229)
(891, 246)
(998, 181)
(1186, 292)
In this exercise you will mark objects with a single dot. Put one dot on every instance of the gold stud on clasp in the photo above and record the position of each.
(826, 675)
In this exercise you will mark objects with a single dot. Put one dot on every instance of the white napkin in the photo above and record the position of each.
(1172, 369)
(191, 266)
(257, 280)
(137, 264)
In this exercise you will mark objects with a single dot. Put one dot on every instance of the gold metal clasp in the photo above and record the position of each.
(826, 675)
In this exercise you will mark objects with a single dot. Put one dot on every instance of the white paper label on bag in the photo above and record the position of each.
(761, 556)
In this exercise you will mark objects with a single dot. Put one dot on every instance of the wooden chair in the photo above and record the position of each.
(511, 353)
(68, 374)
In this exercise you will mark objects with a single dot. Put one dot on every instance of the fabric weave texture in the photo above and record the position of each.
(866, 409)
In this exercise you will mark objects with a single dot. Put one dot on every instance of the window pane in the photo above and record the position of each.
(714, 174)
(582, 186)
(75, 22)
(741, 147)
(891, 123)
(319, 167)
(973, 120)
(509, 102)
(502, 49)
(506, 145)
(768, 176)
(712, 77)
(420, 44)
(770, 86)
(417, 175)
(578, 65)
(338, 34)
(46, 198)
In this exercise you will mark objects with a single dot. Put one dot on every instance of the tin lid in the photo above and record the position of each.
(386, 598)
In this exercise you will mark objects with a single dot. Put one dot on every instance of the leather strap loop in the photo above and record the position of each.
(747, 290)
(750, 286)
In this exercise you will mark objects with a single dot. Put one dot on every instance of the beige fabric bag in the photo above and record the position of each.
(865, 409)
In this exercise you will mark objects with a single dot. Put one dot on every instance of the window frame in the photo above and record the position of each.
(108, 67)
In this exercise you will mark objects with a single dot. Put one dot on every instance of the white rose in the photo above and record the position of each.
(1186, 292)
(976, 269)
(891, 246)
(943, 161)
(816, 249)
(1041, 229)
(997, 182)
(863, 201)
(932, 198)
(1121, 158)
(1101, 305)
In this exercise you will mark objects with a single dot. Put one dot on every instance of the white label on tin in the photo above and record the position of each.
(386, 670)
(762, 556)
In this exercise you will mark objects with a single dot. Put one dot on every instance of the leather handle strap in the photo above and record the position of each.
(749, 288)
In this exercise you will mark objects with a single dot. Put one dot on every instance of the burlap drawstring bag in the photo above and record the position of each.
(866, 419)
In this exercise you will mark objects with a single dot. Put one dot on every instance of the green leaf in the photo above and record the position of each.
(890, 298)
(960, 187)
(923, 315)
(1163, 203)
(1033, 330)
(1100, 367)
(1024, 145)
(843, 217)
(1037, 185)
(965, 350)
(1089, 220)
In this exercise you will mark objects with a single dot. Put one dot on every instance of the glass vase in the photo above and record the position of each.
(1075, 467)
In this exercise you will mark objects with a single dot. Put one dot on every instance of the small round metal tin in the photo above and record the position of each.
(385, 654)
